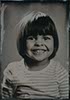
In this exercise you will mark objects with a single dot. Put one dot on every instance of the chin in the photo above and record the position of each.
(39, 59)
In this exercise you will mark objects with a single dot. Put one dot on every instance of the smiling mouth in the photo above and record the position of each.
(38, 51)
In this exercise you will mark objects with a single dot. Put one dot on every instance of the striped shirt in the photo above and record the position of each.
(50, 82)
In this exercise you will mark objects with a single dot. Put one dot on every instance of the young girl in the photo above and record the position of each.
(37, 75)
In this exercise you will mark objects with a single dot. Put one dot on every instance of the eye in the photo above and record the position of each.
(30, 38)
(46, 38)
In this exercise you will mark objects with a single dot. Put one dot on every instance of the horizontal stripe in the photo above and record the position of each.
(51, 81)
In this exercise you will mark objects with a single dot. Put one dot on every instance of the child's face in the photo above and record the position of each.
(39, 47)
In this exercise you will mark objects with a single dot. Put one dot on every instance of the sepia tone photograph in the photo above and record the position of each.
(34, 50)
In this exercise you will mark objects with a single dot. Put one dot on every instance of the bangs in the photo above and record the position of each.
(34, 29)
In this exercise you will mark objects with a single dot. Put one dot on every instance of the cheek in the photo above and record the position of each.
(50, 44)
(29, 45)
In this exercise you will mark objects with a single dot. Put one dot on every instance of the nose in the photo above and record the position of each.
(39, 41)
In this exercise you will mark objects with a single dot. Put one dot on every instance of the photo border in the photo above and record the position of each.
(65, 2)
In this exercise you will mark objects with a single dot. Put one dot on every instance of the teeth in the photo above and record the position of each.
(38, 51)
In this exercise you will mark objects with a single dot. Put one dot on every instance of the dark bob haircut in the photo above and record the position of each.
(43, 25)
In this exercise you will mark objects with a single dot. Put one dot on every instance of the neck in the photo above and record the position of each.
(36, 65)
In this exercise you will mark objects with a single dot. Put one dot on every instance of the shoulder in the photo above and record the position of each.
(55, 64)
(13, 67)
(58, 67)
(60, 70)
